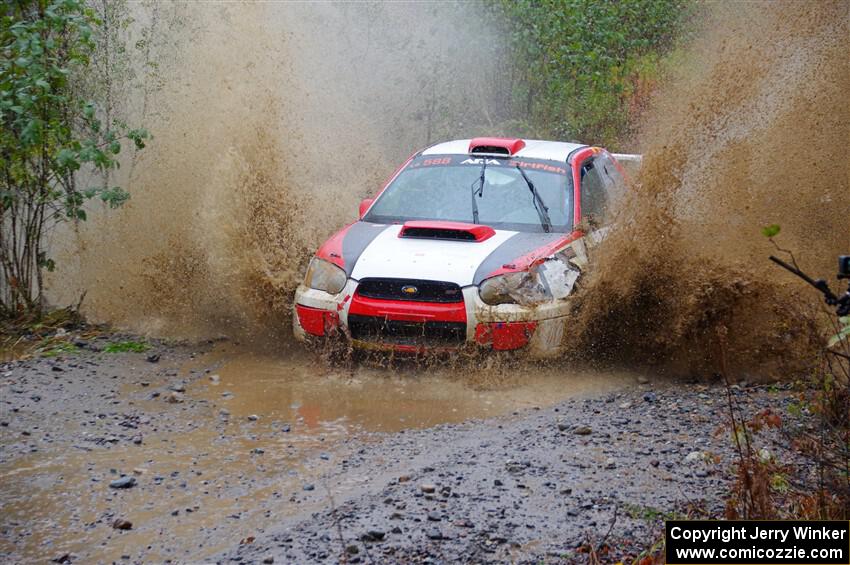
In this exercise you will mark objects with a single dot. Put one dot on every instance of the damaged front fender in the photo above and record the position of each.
(554, 278)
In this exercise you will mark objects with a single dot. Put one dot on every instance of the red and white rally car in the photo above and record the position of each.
(471, 243)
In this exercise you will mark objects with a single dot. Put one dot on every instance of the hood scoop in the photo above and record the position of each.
(495, 146)
(454, 231)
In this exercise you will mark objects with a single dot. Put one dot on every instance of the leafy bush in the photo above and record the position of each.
(815, 485)
(584, 69)
(50, 134)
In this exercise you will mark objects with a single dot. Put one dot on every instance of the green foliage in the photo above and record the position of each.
(843, 335)
(59, 348)
(796, 409)
(50, 135)
(779, 483)
(583, 69)
(126, 347)
(771, 231)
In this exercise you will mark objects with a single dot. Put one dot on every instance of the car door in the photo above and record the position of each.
(601, 185)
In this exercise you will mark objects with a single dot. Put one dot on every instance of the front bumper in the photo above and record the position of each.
(472, 323)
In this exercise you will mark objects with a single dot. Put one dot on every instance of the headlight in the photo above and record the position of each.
(323, 275)
(513, 288)
(553, 279)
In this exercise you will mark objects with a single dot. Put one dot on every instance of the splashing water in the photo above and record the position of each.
(751, 130)
(275, 121)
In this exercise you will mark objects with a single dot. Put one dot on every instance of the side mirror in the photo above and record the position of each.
(844, 266)
(364, 205)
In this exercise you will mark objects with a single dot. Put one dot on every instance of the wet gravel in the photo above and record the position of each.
(81, 401)
(530, 486)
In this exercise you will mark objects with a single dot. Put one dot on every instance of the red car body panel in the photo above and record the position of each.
(407, 310)
(331, 250)
(505, 336)
(511, 145)
(576, 160)
(317, 322)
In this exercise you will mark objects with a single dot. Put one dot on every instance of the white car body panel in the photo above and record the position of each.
(534, 149)
(389, 256)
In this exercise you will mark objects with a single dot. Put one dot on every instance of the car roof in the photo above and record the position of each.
(534, 149)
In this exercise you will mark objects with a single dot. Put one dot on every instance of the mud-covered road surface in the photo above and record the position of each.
(236, 456)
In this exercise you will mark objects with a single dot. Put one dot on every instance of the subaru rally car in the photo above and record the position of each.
(471, 243)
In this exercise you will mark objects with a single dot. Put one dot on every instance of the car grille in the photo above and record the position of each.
(372, 328)
(410, 289)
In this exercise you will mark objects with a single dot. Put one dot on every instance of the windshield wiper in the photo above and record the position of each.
(542, 210)
(480, 192)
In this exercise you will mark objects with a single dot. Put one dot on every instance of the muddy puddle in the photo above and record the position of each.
(330, 401)
(249, 440)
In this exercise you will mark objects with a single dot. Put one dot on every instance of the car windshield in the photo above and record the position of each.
(440, 187)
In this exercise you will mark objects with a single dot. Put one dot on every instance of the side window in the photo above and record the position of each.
(594, 194)
(611, 176)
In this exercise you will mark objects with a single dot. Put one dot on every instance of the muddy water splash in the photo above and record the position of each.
(273, 132)
(277, 120)
(752, 130)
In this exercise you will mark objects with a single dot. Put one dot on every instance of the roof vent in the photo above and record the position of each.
(495, 145)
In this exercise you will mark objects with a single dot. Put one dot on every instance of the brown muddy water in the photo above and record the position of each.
(749, 130)
(333, 401)
(252, 432)
(271, 121)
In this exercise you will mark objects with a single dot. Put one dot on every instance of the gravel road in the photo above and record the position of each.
(531, 487)
(136, 457)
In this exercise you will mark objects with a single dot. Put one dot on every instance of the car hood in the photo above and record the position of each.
(376, 250)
